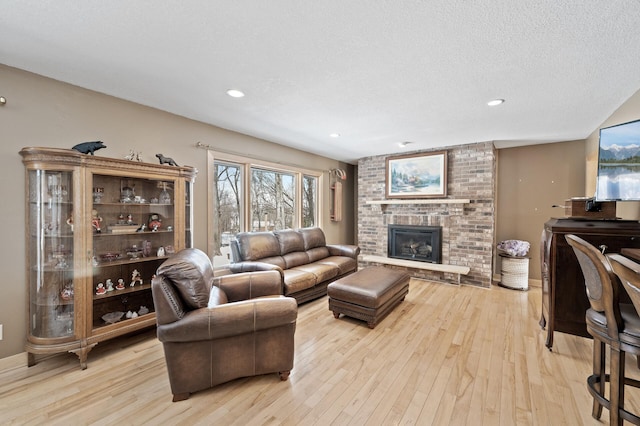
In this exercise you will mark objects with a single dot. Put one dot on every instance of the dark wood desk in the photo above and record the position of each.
(564, 299)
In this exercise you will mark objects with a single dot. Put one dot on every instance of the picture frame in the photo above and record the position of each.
(422, 175)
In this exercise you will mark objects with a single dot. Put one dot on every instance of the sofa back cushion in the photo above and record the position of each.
(296, 258)
(317, 253)
(289, 241)
(191, 273)
(256, 246)
(313, 237)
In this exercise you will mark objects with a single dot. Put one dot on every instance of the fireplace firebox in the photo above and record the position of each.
(411, 242)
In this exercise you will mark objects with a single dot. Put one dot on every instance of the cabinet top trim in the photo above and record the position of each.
(37, 157)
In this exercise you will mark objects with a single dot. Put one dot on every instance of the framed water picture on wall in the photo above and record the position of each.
(421, 175)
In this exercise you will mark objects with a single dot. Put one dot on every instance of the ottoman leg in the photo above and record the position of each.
(336, 314)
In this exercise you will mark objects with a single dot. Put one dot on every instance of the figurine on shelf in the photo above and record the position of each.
(160, 252)
(67, 291)
(141, 228)
(70, 223)
(135, 278)
(100, 289)
(164, 197)
(154, 222)
(98, 193)
(109, 284)
(143, 310)
(120, 285)
(96, 220)
(129, 219)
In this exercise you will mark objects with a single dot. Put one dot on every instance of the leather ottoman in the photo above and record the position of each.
(368, 294)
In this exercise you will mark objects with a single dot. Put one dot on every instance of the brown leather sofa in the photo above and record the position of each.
(218, 329)
(303, 258)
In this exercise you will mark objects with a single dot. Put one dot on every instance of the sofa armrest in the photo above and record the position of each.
(344, 250)
(231, 319)
(248, 285)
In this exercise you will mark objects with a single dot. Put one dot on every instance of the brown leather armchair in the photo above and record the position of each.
(214, 330)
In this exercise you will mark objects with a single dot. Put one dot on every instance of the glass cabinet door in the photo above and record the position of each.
(51, 273)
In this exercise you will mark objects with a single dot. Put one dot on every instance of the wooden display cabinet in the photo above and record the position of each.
(97, 230)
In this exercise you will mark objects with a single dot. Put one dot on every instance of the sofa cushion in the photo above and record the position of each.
(321, 271)
(317, 253)
(191, 272)
(289, 241)
(297, 258)
(296, 280)
(257, 245)
(313, 237)
(274, 260)
(344, 264)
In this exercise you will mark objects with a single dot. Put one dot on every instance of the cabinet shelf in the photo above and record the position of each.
(118, 234)
(118, 204)
(128, 261)
(123, 292)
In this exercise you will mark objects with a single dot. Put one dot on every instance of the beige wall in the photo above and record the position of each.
(629, 111)
(530, 180)
(45, 112)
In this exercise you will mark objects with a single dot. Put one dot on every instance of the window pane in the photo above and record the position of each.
(227, 208)
(272, 200)
(309, 197)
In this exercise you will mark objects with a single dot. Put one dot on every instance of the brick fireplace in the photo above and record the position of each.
(467, 236)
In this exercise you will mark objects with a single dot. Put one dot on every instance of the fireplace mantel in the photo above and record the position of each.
(421, 201)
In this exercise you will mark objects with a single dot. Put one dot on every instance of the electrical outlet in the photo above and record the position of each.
(1, 332)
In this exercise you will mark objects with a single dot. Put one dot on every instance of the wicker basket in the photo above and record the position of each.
(515, 272)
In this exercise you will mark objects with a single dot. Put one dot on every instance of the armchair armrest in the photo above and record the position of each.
(344, 250)
(249, 285)
(252, 266)
(231, 319)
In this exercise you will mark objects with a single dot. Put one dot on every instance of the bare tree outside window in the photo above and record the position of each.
(309, 197)
(272, 200)
(227, 207)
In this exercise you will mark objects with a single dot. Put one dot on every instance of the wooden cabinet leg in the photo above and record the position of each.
(31, 359)
(82, 354)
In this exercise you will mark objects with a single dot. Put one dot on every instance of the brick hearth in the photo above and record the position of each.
(467, 229)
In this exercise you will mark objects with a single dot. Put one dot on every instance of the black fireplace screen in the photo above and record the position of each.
(421, 243)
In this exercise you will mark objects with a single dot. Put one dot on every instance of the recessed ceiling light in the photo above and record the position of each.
(235, 93)
(334, 135)
(495, 102)
(403, 144)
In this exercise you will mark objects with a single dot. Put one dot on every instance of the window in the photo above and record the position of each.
(248, 195)
(273, 200)
(309, 200)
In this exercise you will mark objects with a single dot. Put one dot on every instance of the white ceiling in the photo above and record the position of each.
(376, 71)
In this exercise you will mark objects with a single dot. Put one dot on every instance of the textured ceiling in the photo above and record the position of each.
(376, 71)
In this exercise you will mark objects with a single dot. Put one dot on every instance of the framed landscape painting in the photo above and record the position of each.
(417, 175)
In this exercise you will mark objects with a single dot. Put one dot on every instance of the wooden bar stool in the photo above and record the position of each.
(610, 324)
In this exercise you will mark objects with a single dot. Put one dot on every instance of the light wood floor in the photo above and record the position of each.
(447, 355)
